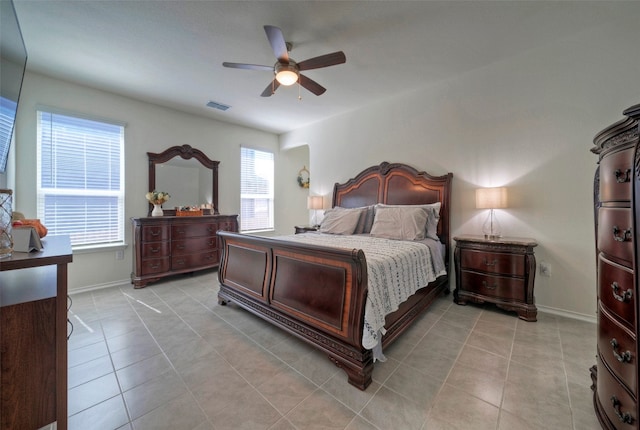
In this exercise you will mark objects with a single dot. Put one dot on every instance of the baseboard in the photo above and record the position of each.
(124, 282)
(568, 314)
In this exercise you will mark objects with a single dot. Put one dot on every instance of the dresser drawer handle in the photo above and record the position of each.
(623, 177)
(626, 234)
(625, 297)
(155, 266)
(154, 250)
(180, 246)
(155, 232)
(489, 287)
(625, 357)
(490, 263)
(624, 417)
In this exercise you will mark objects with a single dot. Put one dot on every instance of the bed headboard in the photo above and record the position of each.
(398, 184)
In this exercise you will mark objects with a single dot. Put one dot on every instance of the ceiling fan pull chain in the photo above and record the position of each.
(299, 96)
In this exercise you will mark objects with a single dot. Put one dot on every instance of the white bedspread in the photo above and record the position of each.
(396, 269)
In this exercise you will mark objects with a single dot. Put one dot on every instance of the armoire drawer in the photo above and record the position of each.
(154, 265)
(154, 249)
(616, 290)
(180, 231)
(192, 245)
(181, 262)
(615, 176)
(616, 346)
(492, 262)
(493, 286)
(155, 233)
(616, 402)
(615, 234)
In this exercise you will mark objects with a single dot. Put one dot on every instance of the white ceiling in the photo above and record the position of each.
(171, 52)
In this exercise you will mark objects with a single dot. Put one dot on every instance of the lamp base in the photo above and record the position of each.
(492, 236)
(491, 227)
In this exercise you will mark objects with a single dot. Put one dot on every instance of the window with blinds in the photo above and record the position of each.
(80, 187)
(256, 189)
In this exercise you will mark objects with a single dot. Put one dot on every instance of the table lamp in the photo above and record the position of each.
(491, 198)
(314, 203)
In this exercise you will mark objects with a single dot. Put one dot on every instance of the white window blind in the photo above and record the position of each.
(81, 179)
(256, 189)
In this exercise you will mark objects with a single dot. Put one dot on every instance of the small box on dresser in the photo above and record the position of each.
(500, 271)
(616, 205)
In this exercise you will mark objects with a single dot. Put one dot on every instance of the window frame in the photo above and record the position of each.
(116, 236)
(270, 196)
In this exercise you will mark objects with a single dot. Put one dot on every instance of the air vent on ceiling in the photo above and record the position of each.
(217, 105)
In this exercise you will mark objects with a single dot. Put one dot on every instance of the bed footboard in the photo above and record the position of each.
(317, 294)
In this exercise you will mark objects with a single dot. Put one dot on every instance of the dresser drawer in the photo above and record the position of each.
(189, 261)
(492, 262)
(194, 244)
(154, 249)
(616, 290)
(616, 347)
(615, 235)
(154, 265)
(615, 176)
(616, 402)
(155, 233)
(494, 286)
(180, 231)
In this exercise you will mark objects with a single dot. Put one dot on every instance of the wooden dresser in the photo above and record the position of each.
(500, 271)
(33, 336)
(169, 245)
(617, 221)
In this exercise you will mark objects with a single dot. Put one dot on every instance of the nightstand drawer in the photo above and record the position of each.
(493, 286)
(616, 402)
(492, 262)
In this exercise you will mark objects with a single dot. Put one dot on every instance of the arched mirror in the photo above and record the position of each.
(187, 174)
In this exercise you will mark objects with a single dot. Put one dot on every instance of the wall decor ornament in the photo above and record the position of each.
(303, 177)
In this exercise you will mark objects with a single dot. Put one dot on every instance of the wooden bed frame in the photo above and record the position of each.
(318, 293)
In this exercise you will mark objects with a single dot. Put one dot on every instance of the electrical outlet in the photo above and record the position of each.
(120, 254)
(545, 268)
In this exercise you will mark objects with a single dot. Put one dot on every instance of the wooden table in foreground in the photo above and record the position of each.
(33, 336)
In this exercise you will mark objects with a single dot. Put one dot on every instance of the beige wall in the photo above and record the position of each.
(526, 123)
(150, 128)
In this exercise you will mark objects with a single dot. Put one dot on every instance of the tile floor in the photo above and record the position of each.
(169, 357)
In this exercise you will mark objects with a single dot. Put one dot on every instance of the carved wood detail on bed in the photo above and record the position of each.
(319, 293)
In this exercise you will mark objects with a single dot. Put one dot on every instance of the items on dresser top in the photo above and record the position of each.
(617, 213)
(500, 271)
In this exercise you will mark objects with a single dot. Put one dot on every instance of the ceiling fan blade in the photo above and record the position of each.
(311, 85)
(323, 61)
(271, 88)
(278, 44)
(248, 66)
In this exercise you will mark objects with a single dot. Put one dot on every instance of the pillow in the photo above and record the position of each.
(340, 220)
(433, 216)
(405, 223)
(366, 220)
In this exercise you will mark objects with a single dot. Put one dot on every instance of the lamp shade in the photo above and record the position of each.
(491, 198)
(314, 202)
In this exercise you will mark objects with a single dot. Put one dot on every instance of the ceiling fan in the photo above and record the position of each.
(287, 71)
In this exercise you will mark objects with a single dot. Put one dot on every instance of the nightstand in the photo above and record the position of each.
(306, 228)
(500, 271)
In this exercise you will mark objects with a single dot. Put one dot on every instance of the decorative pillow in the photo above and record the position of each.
(340, 220)
(366, 220)
(433, 216)
(405, 223)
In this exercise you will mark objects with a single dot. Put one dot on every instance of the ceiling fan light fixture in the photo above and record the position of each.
(286, 74)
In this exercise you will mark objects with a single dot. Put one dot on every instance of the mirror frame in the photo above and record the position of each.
(186, 152)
